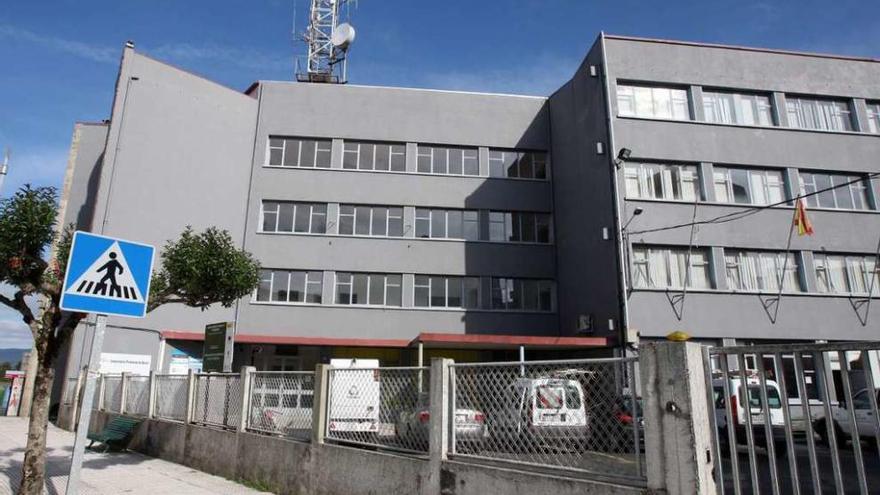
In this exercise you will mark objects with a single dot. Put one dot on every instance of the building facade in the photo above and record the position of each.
(390, 221)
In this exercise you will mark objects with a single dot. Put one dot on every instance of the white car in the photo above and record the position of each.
(542, 409)
(737, 401)
(354, 396)
(866, 422)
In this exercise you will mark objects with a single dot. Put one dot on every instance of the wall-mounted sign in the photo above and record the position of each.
(180, 364)
(136, 364)
(217, 357)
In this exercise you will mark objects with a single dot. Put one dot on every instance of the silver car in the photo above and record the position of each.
(413, 426)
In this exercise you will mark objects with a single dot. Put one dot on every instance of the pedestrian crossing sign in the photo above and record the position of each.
(107, 276)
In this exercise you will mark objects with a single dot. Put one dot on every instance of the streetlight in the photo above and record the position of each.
(638, 211)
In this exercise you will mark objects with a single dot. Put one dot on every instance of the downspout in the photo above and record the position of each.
(618, 234)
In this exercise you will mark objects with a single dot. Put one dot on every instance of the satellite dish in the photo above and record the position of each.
(342, 36)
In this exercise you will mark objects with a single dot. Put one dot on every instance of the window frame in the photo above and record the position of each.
(420, 220)
(667, 252)
(644, 172)
(793, 267)
(427, 151)
(825, 282)
(727, 182)
(310, 277)
(446, 279)
(387, 286)
(372, 209)
(538, 160)
(312, 214)
(517, 286)
(359, 152)
(513, 225)
(808, 184)
(285, 140)
(738, 98)
(799, 107)
(873, 113)
(654, 88)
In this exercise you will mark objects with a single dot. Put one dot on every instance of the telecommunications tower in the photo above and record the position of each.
(328, 42)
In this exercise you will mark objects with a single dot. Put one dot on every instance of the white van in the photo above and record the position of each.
(543, 408)
(737, 401)
(354, 396)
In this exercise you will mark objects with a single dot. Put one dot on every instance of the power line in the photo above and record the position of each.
(748, 211)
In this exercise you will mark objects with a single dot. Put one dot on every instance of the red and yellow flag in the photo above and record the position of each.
(803, 224)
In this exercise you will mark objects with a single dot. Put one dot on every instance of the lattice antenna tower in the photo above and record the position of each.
(328, 42)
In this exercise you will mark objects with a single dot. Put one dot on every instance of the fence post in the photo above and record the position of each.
(247, 377)
(75, 405)
(190, 395)
(438, 434)
(677, 434)
(151, 398)
(123, 392)
(319, 403)
(101, 388)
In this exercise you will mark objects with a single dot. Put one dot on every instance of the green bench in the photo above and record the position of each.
(116, 434)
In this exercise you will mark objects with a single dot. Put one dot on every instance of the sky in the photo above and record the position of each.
(60, 57)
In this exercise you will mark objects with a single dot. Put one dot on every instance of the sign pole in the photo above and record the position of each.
(85, 410)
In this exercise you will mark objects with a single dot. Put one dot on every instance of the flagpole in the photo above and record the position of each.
(781, 280)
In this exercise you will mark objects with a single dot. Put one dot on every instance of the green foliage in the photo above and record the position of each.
(200, 269)
(27, 227)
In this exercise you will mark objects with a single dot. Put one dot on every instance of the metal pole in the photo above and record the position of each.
(522, 360)
(4, 169)
(85, 413)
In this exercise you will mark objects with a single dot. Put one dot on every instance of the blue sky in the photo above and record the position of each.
(59, 57)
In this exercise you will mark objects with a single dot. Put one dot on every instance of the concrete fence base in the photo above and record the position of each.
(290, 467)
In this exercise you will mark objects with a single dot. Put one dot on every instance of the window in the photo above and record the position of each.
(294, 217)
(652, 102)
(448, 224)
(846, 274)
(838, 191)
(376, 221)
(374, 156)
(368, 289)
(748, 186)
(760, 271)
(819, 114)
(519, 164)
(298, 152)
(437, 291)
(737, 108)
(448, 160)
(518, 294)
(662, 181)
(518, 226)
(290, 286)
(873, 118)
(666, 268)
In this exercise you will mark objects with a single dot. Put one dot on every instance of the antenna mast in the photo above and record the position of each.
(4, 168)
(328, 43)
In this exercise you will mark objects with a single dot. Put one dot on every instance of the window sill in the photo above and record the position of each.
(745, 126)
(397, 172)
(388, 238)
(746, 206)
(400, 308)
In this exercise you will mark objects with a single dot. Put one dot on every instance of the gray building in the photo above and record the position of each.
(394, 223)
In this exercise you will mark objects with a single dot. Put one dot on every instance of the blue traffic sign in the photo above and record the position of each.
(107, 276)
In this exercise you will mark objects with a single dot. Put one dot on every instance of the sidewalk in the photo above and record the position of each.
(112, 473)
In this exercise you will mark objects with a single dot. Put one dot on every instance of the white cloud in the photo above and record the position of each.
(95, 53)
(14, 333)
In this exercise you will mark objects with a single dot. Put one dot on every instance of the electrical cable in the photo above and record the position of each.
(748, 211)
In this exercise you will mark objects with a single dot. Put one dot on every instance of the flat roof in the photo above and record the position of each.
(740, 48)
(256, 84)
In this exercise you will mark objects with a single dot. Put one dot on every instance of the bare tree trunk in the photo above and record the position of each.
(33, 474)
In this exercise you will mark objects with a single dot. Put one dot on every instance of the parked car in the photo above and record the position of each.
(612, 420)
(541, 410)
(842, 421)
(750, 394)
(470, 426)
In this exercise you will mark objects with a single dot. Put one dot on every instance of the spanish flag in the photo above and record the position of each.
(803, 224)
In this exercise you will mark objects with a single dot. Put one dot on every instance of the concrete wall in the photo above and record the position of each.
(722, 313)
(289, 467)
(584, 202)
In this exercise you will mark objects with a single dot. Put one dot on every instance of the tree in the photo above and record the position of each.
(198, 270)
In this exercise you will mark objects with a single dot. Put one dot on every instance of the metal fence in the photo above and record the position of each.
(795, 418)
(281, 403)
(170, 397)
(137, 395)
(69, 392)
(382, 407)
(217, 399)
(577, 415)
(112, 393)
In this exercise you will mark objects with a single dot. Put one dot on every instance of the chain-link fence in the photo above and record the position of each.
(137, 395)
(577, 415)
(112, 393)
(281, 403)
(69, 392)
(217, 400)
(170, 398)
(384, 407)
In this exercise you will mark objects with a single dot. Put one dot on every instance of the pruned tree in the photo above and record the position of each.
(197, 270)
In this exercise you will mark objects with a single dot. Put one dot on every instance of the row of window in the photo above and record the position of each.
(670, 181)
(391, 157)
(385, 289)
(744, 108)
(752, 271)
(387, 221)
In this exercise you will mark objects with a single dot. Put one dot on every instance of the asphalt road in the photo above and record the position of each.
(826, 470)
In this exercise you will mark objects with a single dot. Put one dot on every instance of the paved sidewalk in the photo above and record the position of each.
(112, 473)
